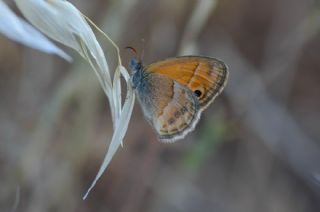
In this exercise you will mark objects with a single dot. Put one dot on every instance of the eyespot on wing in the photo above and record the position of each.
(205, 76)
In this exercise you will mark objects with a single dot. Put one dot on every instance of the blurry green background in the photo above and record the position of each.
(256, 149)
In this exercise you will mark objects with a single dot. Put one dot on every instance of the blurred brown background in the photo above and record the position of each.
(255, 149)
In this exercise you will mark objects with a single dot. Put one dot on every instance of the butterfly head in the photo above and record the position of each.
(137, 73)
(136, 62)
(135, 65)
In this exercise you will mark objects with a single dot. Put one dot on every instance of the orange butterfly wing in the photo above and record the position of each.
(205, 76)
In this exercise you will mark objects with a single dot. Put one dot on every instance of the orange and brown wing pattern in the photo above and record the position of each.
(179, 116)
(206, 77)
(170, 107)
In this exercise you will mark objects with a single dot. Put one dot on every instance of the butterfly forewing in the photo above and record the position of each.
(204, 76)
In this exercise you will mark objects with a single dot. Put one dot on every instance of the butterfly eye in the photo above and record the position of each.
(198, 93)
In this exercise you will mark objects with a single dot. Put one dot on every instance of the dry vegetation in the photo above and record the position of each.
(255, 150)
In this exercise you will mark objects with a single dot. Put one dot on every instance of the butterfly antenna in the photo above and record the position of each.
(132, 49)
(142, 52)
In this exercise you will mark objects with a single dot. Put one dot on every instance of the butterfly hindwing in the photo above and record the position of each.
(171, 108)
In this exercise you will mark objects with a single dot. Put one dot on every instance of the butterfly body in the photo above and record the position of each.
(174, 92)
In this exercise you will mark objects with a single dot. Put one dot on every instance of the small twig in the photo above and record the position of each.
(107, 37)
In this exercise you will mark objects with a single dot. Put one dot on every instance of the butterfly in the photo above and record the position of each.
(174, 92)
